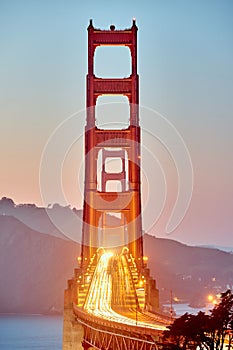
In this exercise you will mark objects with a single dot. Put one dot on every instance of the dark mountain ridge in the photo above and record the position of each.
(35, 263)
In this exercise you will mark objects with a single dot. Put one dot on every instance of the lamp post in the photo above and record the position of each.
(171, 309)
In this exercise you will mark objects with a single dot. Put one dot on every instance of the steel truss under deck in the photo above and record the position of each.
(100, 339)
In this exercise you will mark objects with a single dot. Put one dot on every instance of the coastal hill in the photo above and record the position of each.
(192, 273)
(36, 260)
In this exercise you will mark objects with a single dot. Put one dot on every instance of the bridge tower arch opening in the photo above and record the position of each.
(112, 231)
(108, 54)
(110, 191)
(112, 112)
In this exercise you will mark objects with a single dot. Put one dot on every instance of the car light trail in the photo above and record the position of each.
(99, 298)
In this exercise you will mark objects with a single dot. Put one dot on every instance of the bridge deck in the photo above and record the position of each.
(111, 300)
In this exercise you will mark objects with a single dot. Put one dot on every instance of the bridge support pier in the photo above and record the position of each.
(72, 330)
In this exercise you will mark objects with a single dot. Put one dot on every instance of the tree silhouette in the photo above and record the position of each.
(222, 319)
(204, 331)
(188, 332)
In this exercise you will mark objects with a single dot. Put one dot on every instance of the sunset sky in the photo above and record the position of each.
(185, 64)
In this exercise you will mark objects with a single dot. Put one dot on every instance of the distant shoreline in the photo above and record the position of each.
(23, 314)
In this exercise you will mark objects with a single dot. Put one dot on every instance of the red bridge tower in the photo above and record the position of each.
(123, 144)
(100, 145)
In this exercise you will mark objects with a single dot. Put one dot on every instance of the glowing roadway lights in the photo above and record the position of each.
(99, 298)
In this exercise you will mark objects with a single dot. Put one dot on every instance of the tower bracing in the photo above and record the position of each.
(105, 144)
(112, 302)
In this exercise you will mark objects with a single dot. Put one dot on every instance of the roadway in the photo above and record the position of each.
(111, 293)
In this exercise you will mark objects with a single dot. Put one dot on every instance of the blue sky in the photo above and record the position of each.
(185, 56)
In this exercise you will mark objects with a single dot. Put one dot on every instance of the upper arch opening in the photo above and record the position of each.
(112, 62)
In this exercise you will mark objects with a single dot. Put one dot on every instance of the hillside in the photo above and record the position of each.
(34, 268)
(190, 272)
(35, 264)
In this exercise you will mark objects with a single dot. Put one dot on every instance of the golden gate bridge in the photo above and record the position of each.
(112, 295)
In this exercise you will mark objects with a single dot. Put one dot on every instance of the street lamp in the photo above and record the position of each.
(171, 309)
(211, 302)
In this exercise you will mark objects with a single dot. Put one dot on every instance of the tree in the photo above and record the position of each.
(204, 331)
(222, 320)
(188, 332)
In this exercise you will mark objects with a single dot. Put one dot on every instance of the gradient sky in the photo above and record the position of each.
(186, 73)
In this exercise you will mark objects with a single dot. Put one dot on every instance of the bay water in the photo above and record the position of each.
(30, 332)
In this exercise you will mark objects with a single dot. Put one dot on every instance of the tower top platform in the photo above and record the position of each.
(112, 27)
(112, 36)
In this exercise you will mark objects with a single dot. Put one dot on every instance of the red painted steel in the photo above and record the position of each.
(108, 143)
